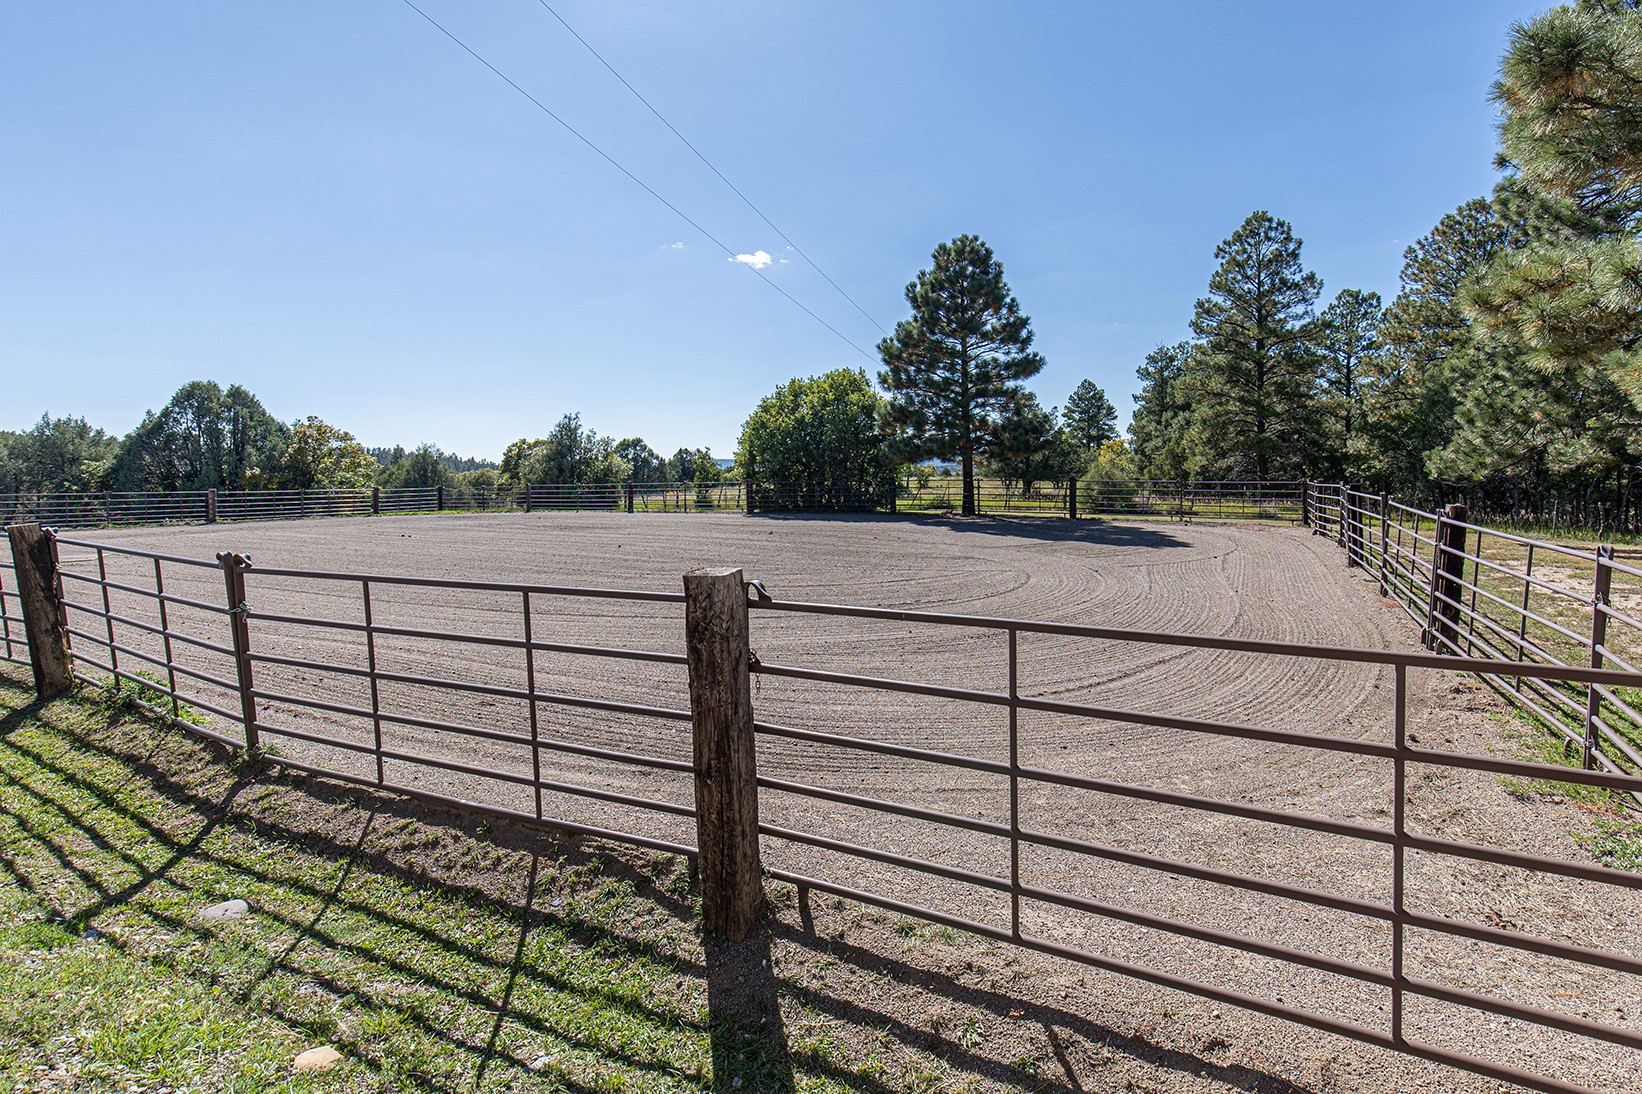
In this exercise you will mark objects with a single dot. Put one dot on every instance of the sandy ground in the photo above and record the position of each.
(1256, 582)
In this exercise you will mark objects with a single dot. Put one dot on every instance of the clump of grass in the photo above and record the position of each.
(1615, 843)
(154, 693)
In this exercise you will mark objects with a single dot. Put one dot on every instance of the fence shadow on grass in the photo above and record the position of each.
(744, 991)
(1047, 528)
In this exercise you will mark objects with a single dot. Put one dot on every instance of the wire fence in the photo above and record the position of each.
(1479, 591)
(581, 708)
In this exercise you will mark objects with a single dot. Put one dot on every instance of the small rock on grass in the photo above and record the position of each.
(322, 1058)
(228, 909)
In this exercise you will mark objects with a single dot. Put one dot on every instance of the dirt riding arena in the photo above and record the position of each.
(1266, 582)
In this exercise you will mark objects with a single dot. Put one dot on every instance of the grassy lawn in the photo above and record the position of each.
(436, 951)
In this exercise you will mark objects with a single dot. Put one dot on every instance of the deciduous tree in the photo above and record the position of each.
(815, 443)
(321, 456)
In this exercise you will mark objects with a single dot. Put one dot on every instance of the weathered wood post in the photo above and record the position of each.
(34, 559)
(1599, 637)
(1305, 502)
(211, 506)
(627, 496)
(726, 774)
(439, 498)
(1072, 498)
(526, 489)
(1447, 572)
(239, 632)
(1180, 502)
(376, 501)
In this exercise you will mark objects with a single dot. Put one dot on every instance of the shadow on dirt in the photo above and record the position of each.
(1049, 529)
(745, 989)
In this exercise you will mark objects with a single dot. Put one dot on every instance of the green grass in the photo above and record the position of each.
(590, 980)
(436, 952)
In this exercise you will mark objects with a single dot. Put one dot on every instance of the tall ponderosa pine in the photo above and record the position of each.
(1348, 351)
(956, 365)
(1089, 416)
(1253, 376)
(1411, 393)
(1570, 89)
(1162, 421)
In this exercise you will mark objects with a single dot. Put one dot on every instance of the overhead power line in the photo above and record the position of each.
(646, 187)
(711, 166)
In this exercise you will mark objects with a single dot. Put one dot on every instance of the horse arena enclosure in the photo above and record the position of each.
(1200, 766)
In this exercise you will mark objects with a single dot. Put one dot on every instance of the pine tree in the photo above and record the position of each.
(1090, 418)
(1348, 350)
(1570, 89)
(1253, 376)
(956, 365)
(1159, 429)
(1411, 392)
(1028, 447)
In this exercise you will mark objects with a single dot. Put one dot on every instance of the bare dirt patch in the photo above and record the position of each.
(1275, 583)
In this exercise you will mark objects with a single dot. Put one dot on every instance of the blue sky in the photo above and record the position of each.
(333, 205)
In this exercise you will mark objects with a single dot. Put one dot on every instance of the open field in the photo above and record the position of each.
(1267, 582)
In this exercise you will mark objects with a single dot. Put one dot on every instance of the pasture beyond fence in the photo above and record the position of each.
(357, 686)
(1479, 591)
(1169, 499)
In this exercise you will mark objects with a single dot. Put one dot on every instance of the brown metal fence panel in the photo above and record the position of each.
(570, 706)
(13, 639)
(1479, 591)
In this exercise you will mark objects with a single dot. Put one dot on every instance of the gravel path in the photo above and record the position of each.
(1251, 582)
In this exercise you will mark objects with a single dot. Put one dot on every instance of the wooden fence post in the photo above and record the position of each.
(1305, 502)
(1180, 504)
(211, 506)
(34, 558)
(1599, 637)
(1447, 571)
(726, 772)
(239, 631)
(439, 498)
(1072, 498)
(376, 501)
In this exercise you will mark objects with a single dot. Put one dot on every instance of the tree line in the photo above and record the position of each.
(1506, 371)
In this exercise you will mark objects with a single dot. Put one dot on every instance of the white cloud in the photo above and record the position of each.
(757, 260)
(678, 246)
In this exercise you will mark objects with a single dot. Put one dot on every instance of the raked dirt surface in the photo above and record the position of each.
(1260, 582)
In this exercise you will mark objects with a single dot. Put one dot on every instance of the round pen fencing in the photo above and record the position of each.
(1144, 499)
(618, 712)
(1478, 591)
